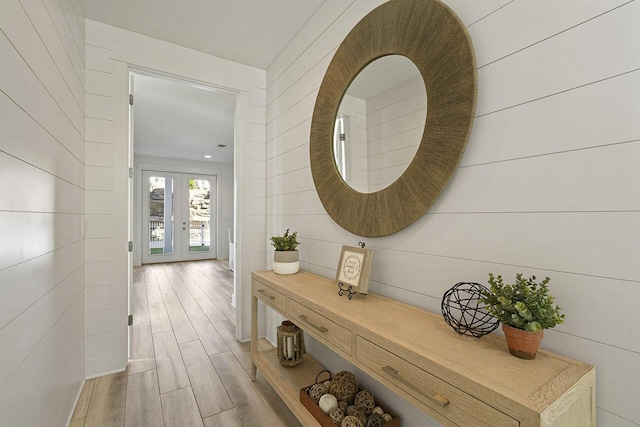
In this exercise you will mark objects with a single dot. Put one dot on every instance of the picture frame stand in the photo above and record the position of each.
(343, 290)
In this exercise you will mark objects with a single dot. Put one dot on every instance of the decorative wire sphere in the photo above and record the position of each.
(464, 311)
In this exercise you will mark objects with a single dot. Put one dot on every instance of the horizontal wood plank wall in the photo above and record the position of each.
(42, 186)
(548, 184)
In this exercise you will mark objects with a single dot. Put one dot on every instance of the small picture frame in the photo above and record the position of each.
(354, 269)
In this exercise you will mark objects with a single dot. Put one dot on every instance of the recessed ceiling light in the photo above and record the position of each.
(207, 156)
(222, 145)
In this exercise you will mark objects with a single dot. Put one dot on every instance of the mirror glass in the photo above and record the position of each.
(379, 124)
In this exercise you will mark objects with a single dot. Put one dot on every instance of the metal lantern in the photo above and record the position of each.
(290, 344)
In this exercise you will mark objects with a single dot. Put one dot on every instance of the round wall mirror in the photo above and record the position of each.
(380, 123)
(434, 39)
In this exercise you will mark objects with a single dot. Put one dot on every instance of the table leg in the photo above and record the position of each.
(254, 334)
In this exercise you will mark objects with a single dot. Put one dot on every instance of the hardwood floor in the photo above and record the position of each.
(187, 369)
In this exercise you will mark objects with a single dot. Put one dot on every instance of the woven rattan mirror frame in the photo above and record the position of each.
(433, 37)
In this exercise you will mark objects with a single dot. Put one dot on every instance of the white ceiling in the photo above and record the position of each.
(251, 32)
(180, 121)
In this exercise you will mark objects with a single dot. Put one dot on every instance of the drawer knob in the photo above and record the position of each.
(266, 295)
(435, 398)
(306, 319)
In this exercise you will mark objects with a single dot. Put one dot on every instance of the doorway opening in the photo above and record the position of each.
(182, 148)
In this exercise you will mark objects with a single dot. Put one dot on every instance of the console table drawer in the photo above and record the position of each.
(452, 403)
(271, 297)
(311, 321)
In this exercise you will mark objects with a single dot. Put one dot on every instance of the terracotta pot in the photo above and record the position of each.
(522, 344)
(286, 262)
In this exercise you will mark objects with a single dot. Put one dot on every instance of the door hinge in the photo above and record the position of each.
(130, 246)
(130, 99)
(130, 172)
(130, 320)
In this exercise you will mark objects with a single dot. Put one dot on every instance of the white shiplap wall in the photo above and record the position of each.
(101, 308)
(548, 184)
(42, 182)
(111, 54)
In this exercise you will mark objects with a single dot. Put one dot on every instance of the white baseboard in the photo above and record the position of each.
(75, 403)
(102, 374)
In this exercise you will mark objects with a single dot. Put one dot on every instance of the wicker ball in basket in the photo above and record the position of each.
(316, 391)
(351, 421)
(364, 400)
(344, 386)
(337, 415)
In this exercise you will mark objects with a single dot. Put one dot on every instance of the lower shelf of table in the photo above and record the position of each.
(287, 382)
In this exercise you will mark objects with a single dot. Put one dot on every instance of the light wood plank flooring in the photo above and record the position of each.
(187, 369)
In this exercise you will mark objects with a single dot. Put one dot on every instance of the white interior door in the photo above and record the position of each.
(178, 217)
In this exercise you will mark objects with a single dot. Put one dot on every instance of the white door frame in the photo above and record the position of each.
(155, 163)
(205, 71)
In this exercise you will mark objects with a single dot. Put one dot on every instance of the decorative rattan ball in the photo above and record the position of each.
(316, 391)
(378, 410)
(359, 414)
(464, 311)
(364, 400)
(375, 420)
(337, 415)
(344, 386)
(327, 385)
(342, 404)
(351, 409)
(386, 417)
(351, 421)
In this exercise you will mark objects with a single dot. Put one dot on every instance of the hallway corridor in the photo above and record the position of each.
(187, 369)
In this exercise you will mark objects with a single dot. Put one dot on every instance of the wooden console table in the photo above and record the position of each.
(457, 380)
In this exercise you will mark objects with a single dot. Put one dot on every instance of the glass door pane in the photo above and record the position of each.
(199, 215)
(160, 215)
(161, 242)
(199, 241)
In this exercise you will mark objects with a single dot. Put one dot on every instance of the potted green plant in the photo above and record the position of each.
(525, 309)
(286, 259)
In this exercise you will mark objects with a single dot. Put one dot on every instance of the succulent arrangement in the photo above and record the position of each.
(287, 242)
(526, 304)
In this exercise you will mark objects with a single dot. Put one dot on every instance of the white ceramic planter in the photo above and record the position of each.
(286, 262)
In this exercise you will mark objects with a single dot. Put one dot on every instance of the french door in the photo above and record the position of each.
(178, 217)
